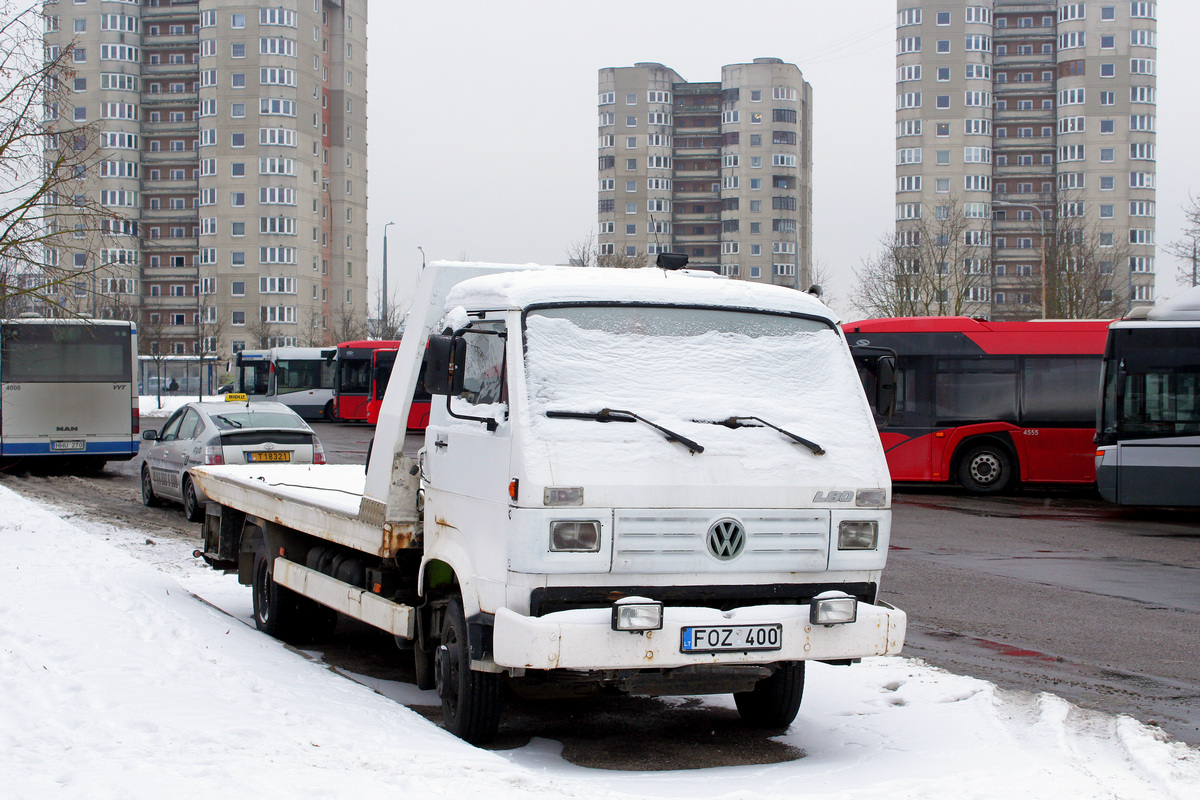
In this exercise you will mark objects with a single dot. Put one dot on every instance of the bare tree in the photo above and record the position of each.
(586, 252)
(1187, 247)
(1081, 260)
(260, 334)
(154, 343)
(391, 326)
(348, 326)
(53, 234)
(938, 264)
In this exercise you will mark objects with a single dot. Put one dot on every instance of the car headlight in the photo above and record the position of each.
(858, 534)
(575, 536)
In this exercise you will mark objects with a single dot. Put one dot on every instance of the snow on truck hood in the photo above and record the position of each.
(524, 287)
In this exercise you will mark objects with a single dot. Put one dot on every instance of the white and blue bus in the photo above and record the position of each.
(299, 377)
(1148, 432)
(67, 390)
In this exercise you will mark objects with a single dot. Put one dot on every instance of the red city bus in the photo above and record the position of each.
(355, 370)
(418, 413)
(363, 371)
(987, 404)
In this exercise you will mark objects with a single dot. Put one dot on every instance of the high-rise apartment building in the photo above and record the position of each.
(231, 150)
(1033, 122)
(719, 171)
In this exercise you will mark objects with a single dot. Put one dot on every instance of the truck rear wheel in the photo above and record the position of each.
(774, 701)
(470, 700)
(275, 607)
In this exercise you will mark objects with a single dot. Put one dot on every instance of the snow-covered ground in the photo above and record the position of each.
(117, 681)
(152, 406)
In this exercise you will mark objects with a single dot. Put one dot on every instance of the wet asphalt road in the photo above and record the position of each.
(1040, 591)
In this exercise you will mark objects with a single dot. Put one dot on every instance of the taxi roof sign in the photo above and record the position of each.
(236, 397)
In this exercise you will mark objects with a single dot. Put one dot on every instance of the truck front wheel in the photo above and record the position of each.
(470, 700)
(774, 701)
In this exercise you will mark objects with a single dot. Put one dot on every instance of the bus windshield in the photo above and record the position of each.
(1152, 384)
(354, 376)
(43, 353)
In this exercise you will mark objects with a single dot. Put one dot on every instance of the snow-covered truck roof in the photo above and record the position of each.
(523, 288)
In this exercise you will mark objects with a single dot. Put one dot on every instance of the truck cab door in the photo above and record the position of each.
(468, 450)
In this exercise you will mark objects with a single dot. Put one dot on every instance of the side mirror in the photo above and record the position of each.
(885, 386)
(444, 357)
(151, 436)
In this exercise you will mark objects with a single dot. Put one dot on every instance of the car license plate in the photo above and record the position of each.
(277, 456)
(73, 444)
(720, 638)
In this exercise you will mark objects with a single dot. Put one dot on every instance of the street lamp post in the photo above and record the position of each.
(383, 289)
(1042, 229)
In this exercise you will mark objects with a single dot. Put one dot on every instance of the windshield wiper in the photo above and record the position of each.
(746, 422)
(231, 422)
(617, 415)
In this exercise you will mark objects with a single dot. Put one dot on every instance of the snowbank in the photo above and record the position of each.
(116, 681)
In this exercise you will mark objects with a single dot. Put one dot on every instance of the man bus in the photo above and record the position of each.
(67, 391)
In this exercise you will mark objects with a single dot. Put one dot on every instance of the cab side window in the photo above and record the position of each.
(483, 373)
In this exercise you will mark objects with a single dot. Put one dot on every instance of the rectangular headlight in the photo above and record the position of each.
(832, 608)
(563, 496)
(637, 616)
(858, 534)
(575, 536)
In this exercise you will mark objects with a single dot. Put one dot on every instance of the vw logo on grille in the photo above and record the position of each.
(726, 539)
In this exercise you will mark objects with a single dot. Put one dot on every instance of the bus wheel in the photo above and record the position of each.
(985, 469)
(149, 498)
(191, 504)
(774, 701)
(328, 412)
(470, 700)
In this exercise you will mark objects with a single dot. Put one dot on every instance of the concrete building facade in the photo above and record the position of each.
(719, 171)
(1037, 119)
(231, 140)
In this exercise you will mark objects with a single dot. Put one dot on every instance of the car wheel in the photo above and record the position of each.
(985, 469)
(192, 508)
(149, 498)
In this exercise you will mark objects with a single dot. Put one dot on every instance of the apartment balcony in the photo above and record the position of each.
(169, 40)
(187, 99)
(1023, 115)
(686, 174)
(167, 128)
(168, 243)
(685, 196)
(167, 157)
(689, 239)
(1022, 87)
(1002, 171)
(682, 110)
(691, 130)
(170, 186)
(182, 216)
(1038, 198)
(185, 69)
(698, 151)
(1007, 143)
(681, 218)
(163, 9)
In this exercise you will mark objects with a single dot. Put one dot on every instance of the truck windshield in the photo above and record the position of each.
(680, 366)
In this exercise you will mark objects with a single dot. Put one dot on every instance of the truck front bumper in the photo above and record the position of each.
(584, 638)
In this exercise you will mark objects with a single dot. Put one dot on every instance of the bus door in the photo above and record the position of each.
(908, 437)
(1058, 418)
(353, 383)
(381, 372)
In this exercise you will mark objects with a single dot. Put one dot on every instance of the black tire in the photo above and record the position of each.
(192, 508)
(470, 700)
(149, 498)
(985, 468)
(774, 701)
(275, 607)
(327, 413)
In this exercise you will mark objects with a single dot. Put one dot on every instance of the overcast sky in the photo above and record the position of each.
(482, 118)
